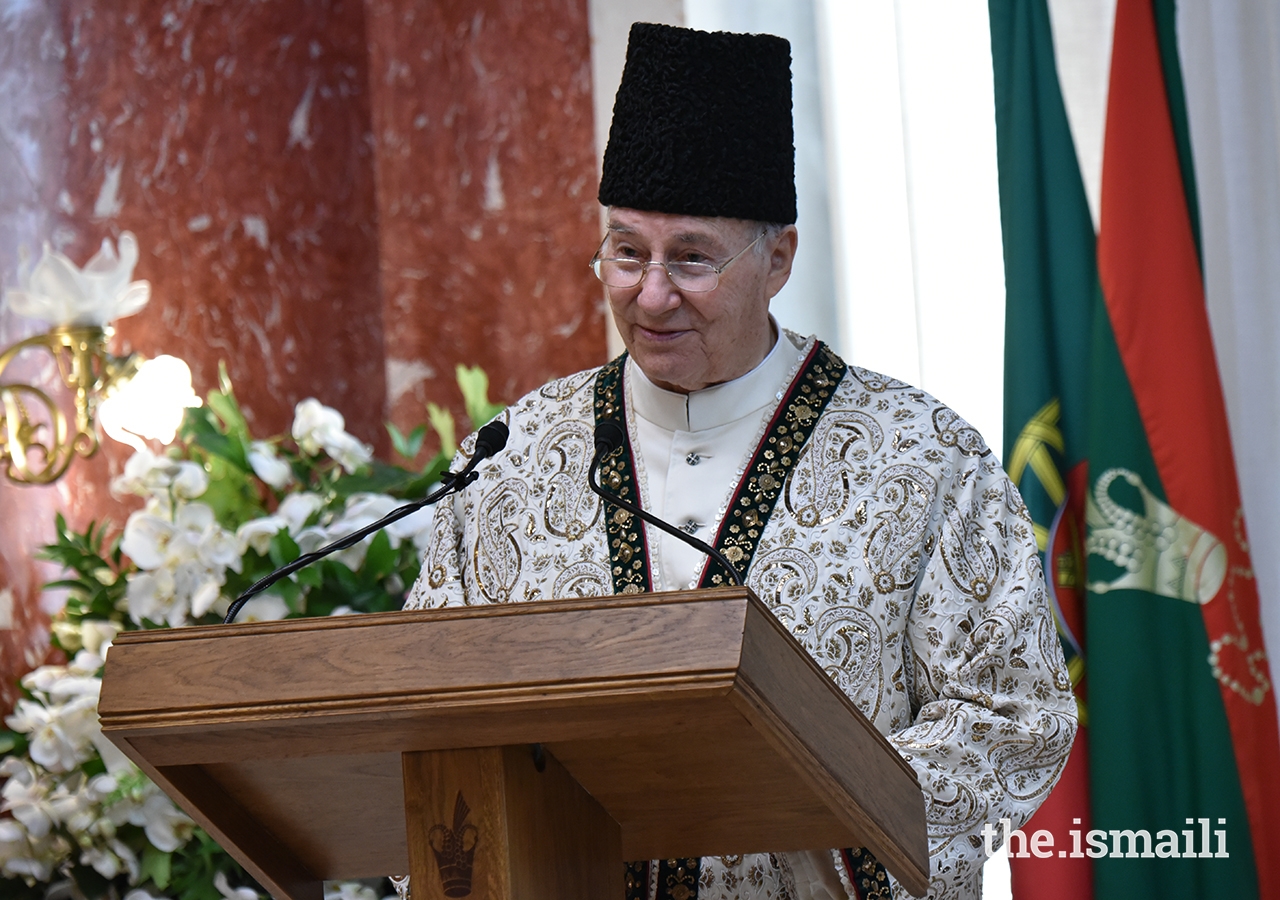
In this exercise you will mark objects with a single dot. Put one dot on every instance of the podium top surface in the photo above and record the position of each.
(694, 718)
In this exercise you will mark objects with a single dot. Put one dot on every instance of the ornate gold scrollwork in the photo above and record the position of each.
(37, 442)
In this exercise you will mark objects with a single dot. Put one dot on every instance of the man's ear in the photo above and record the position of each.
(781, 257)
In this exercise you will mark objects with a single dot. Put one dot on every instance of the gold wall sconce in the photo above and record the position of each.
(38, 439)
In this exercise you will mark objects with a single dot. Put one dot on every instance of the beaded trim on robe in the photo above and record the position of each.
(761, 485)
(630, 561)
(870, 880)
(757, 493)
(754, 499)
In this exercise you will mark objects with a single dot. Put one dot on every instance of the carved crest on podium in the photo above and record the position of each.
(455, 850)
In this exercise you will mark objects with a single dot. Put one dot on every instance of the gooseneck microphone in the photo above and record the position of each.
(489, 440)
(610, 437)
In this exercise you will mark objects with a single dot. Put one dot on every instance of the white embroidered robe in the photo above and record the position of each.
(899, 555)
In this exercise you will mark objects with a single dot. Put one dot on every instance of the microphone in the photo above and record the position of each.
(611, 437)
(489, 440)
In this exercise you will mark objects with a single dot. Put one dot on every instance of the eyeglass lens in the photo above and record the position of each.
(626, 273)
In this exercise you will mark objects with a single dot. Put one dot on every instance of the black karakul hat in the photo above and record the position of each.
(702, 126)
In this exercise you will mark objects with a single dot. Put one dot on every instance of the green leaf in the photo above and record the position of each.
(474, 384)
(442, 423)
(232, 493)
(9, 742)
(407, 447)
(201, 428)
(156, 864)
(310, 577)
(223, 403)
(429, 477)
(380, 559)
(283, 549)
(377, 478)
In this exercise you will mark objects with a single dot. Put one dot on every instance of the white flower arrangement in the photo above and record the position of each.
(220, 509)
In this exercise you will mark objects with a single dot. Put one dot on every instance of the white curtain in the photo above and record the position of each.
(1230, 53)
(916, 204)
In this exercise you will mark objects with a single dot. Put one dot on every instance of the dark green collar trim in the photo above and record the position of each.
(628, 557)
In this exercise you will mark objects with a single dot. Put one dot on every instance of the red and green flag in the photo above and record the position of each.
(1116, 434)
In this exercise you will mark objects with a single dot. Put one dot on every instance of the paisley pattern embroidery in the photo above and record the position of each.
(905, 496)
(497, 550)
(954, 431)
(850, 640)
(970, 558)
(582, 580)
(830, 467)
(564, 455)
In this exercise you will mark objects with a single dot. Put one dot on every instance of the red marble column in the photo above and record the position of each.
(233, 140)
(485, 157)
(338, 199)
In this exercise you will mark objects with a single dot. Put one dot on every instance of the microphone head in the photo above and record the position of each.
(491, 438)
(609, 437)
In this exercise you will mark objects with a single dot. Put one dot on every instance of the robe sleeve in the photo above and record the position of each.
(440, 582)
(994, 714)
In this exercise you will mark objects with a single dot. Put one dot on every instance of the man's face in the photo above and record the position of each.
(685, 341)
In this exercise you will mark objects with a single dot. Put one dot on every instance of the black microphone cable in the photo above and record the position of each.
(610, 437)
(489, 440)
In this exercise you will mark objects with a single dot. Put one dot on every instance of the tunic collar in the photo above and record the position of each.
(719, 404)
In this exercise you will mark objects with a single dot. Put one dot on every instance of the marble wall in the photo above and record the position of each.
(337, 199)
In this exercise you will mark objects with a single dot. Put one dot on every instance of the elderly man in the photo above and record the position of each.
(871, 519)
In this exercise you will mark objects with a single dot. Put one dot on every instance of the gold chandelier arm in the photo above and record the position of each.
(37, 450)
(30, 458)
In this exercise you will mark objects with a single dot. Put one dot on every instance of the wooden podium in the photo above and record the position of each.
(515, 752)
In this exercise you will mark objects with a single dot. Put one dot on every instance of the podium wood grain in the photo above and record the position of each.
(694, 719)
(487, 824)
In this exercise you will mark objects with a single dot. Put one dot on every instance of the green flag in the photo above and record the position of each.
(1116, 435)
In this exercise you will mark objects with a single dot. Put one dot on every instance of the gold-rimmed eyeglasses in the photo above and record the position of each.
(695, 277)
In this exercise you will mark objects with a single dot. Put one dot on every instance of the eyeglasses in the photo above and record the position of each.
(695, 277)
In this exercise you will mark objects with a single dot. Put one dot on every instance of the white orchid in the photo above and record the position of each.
(28, 857)
(25, 796)
(140, 894)
(60, 735)
(226, 890)
(264, 608)
(365, 509)
(59, 291)
(166, 826)
(96, 635)
(74, 805)
(191, 481)
(14, 843)
(314, 423)
(297, 508)
(292, 515)
(111, 858)
(268, 466)
(183, 563)
(145, 474)
(318, 427)
(257, 533)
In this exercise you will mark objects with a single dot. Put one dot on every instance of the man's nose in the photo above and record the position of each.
(658, 293)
